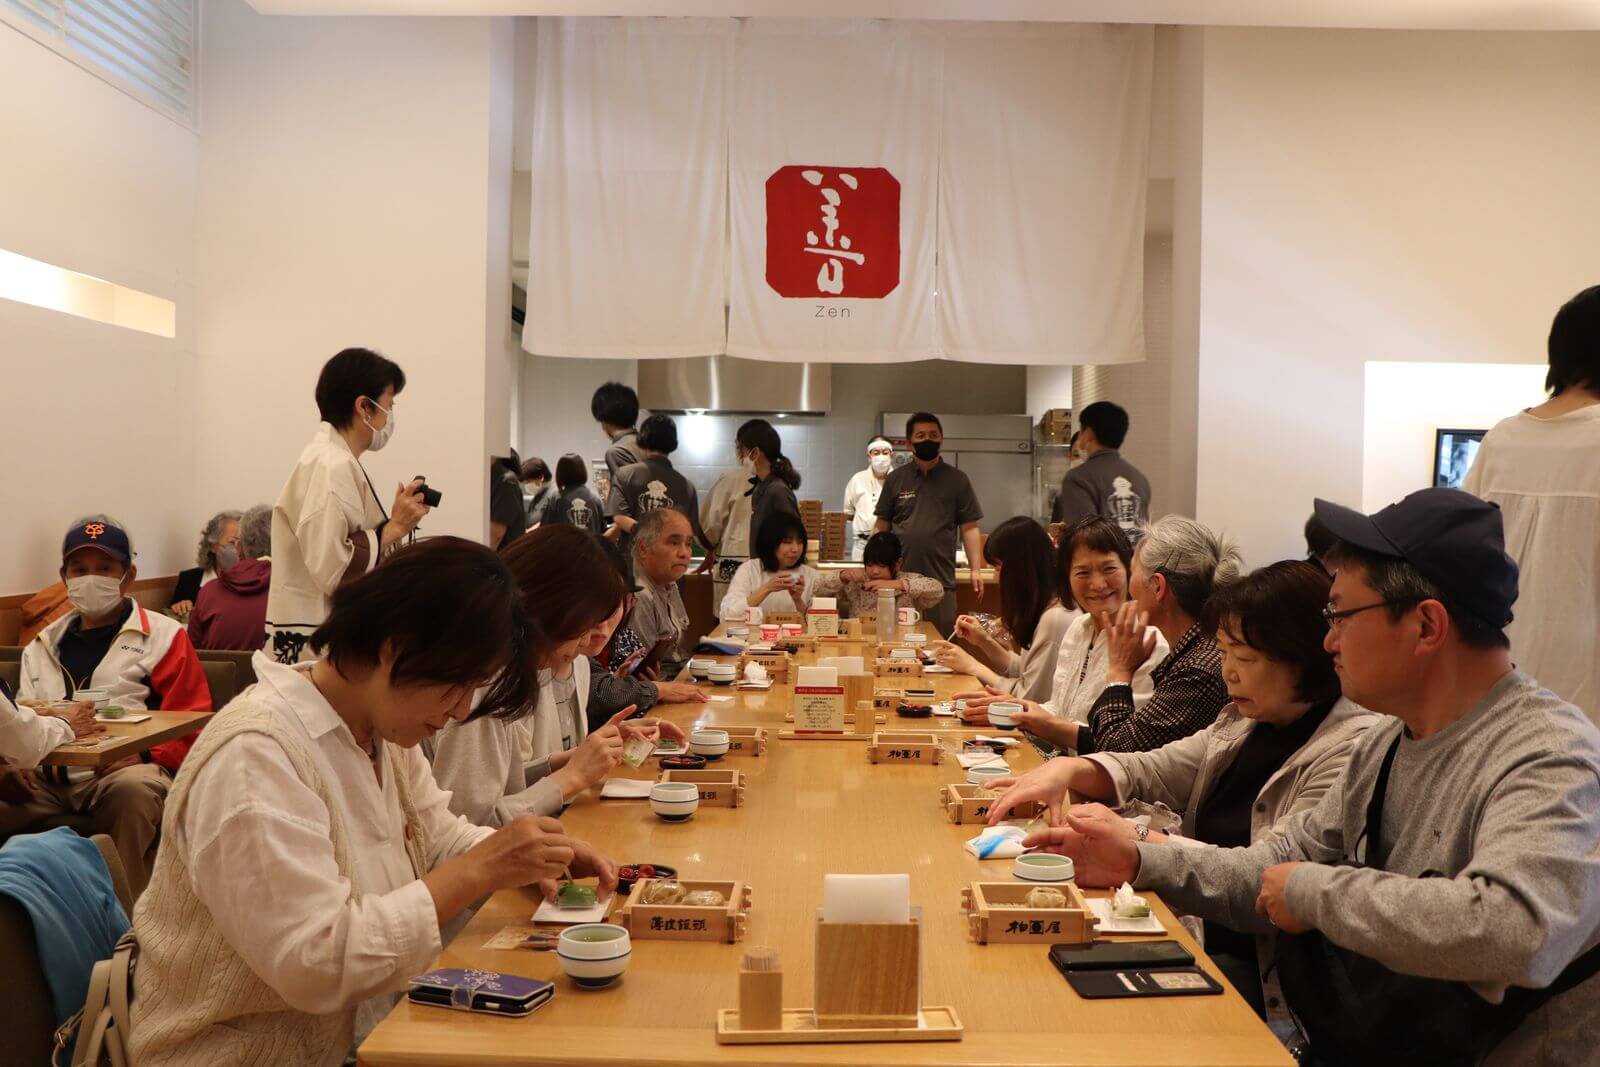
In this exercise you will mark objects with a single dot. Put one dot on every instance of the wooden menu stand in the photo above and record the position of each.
(868, 988)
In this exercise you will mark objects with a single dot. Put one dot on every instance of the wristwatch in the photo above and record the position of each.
(1141, 831)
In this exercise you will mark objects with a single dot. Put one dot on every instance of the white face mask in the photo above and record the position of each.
(880, 462)
(380, 437)
(94, 595)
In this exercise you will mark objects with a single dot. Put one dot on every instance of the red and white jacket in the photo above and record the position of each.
(150, 666)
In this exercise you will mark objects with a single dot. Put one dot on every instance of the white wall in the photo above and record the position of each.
(350, 194)
(1407, 402)
(1374, 196)
(97, 418)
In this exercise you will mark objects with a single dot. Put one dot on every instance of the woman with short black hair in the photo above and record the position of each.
(574, 503)
(778, 578)
(309, 860)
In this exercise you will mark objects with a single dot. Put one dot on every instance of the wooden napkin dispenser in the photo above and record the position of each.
(869, 975)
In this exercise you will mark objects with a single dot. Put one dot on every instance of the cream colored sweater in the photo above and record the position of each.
(195, 1000)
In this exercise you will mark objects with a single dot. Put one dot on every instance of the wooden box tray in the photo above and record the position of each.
(800, 1028)
(965, 803)
(718, 788)
(778, 665)
(991, 921)
(897, 668)
(686, 922)
(905, 746)
(745, 740)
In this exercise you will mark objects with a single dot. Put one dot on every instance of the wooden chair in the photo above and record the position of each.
(27, 1014)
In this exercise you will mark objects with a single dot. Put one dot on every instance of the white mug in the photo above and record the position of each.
(909, 616)
(753, 616)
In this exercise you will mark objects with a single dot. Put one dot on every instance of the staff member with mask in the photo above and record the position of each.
(327, 526)
(926, 504)
(862, 491)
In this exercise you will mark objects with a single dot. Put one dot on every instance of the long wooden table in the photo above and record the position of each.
(811, 807)
(127, 739)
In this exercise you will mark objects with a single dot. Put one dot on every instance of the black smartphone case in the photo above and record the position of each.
(1157, 982)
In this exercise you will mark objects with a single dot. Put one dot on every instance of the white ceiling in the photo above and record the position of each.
(1350, 14)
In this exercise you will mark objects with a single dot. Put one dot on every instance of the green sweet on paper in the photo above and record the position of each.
(573, 895)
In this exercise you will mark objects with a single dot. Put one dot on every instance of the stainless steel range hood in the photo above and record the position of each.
(735, 386)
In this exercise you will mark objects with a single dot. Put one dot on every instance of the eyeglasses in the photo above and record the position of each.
(1334, 618)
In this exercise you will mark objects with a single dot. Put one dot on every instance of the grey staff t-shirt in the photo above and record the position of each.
(925, 511)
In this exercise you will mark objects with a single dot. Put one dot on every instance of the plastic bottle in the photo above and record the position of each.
(887, 628)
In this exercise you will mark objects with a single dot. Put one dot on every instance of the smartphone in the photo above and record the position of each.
(501, 994)
(1116, 984)
(631, 664)
(1118, 955)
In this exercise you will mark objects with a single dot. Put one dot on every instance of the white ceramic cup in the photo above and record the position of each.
(753, 616)
(709, 743)
(674, 801)
(101, 697)
(771, 631)
(915, 639)
(1043, 867)
(1003, 713)
(594, 955)
(909, 616)
(722, 673)
(701, 668)
(985, 773)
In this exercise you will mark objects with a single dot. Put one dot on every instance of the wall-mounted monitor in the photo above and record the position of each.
(1453, 453)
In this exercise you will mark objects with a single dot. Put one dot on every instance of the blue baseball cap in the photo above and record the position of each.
(100, 535)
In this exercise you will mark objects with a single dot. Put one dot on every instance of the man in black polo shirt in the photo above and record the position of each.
(925, 503)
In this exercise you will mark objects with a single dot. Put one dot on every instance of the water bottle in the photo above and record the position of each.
(887, 630)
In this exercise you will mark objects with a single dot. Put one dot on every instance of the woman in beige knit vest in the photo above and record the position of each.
(308, 859)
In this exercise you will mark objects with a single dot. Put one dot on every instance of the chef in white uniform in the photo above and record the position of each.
(861, 493)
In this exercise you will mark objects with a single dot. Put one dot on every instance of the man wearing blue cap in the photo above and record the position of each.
(1443, 906)
(143, 660)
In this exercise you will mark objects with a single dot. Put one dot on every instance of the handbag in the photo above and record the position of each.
(103, 1026)
(1354, 1010)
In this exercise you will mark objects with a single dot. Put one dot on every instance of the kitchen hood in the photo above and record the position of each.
(722, 384)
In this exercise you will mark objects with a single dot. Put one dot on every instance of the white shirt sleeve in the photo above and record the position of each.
(746, 580)
(26, 737)
(260, 856)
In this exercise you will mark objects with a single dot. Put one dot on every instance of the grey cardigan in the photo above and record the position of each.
(1181, 773)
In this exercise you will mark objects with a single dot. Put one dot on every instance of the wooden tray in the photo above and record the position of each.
(965, 803)
(800, 1028)
(778, 665)
(686, 922)
(718, 788)
(1074, 924)
(897, 668)
(905, 746)
(792, 734)
(745, 740)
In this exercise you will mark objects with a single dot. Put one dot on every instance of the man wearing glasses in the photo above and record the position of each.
(1464, 846)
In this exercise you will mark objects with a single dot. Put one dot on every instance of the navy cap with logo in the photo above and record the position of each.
(97, 534)
(1454, 539)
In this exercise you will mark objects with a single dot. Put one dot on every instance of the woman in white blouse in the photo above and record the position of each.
(778, 578)
(1093, 560)
(497, 769)
(1024, 563)
(309, 859)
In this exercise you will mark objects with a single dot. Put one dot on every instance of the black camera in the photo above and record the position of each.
(430, 497)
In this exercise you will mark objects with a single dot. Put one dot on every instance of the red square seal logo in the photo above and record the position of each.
(833, 231)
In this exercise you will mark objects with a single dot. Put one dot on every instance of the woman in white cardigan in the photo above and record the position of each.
(1093, 560)
(1034, 617)
(1273, 753)
(308, 859)
(778, 577)
(497, 769)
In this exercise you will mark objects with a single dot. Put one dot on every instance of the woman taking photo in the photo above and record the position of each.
(778, 579)
(309, 859)
(1273, 752)
(761, 453)
(1024, 563)
(1092, 571)
(497, 769)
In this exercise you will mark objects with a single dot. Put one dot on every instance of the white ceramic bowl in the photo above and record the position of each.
(902, 653)
(739, 630)
(983, 774)
(594, 955)
(1003, 713)
(101, 697)
(701, 668)
(711, 744)
(916, 638)
(722, 674)
(674, 801)
(1043, 867)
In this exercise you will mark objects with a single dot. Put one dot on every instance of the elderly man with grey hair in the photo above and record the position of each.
(218, 548)
(231, 612)
(662, 543)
